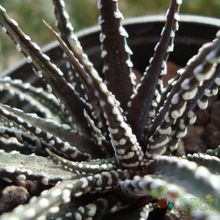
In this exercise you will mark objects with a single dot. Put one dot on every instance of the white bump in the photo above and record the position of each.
(56, 193)
(118, 14)
(178, 112)
(54, 209)
(21, 177)
(18, 48)
(123, 32)
(190, 94)
(99, 5)
(43, 203)
(175, 98)
(185, 84)
(202, 104)
(217, 81)
(4, 30)
(37, 131)
(29, 213)
(167, 131)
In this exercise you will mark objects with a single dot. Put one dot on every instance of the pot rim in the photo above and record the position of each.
(184, 18)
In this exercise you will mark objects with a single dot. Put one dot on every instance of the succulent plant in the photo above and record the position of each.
(86, 145)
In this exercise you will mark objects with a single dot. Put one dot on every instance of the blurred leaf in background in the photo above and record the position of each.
(29, 15)
(83, 13)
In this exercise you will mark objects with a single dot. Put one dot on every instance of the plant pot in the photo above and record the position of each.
(144, 33)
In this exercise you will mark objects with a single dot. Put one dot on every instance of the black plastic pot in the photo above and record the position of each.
(144, 33)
